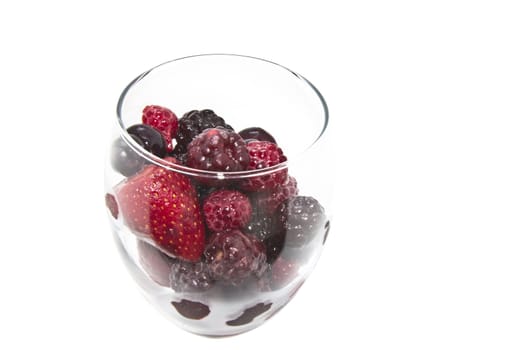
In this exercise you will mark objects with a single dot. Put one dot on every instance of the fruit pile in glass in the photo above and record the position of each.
(212, 223)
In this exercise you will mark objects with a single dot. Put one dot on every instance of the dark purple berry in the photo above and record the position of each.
(233, 256)
(256, 133)
(180, 154)
(249, 314)
(186, 276)
(218, 149)
(260, 225)
(274, 246)
(301, 218)
(124, 159)
(193, 123)
(151, 138)
(191, 309)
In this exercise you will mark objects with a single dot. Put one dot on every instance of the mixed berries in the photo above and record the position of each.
(198, 234)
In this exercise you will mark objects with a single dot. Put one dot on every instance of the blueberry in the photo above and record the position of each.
(256, 133)
(125, 160)
(151, 138)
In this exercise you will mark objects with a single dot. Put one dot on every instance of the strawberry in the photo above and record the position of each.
(163, 205)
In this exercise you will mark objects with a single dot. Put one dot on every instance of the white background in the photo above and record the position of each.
(427, 249)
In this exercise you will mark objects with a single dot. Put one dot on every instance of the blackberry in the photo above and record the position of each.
(233, 256)
(260, 226)
(194, 122)
(274, 246)
(180, 154)
(218, 149)
(190, 277)
(301, 218)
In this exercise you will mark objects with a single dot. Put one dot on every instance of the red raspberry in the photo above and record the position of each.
(233, 256)
(264, 154)
(267, 202)
(226, 209)
(163, 120)
(218, 149)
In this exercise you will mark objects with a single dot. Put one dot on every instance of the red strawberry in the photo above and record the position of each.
(163, 205)
(163, 120)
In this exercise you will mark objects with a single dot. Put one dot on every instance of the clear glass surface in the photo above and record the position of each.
(246, 92)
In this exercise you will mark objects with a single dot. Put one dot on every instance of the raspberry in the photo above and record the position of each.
(190, 277)
(226, 209)
(193, 123)
(233, 256)
(219, 150)
(269, 201)
(264, 154)
(301, 218)
(163, 120)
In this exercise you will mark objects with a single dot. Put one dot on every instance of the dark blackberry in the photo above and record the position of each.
(218, 149)
(274, 246)
(301, 218)
(180, 154)
(194, 122)
(233, 256)
(190, 277)
(261, 226)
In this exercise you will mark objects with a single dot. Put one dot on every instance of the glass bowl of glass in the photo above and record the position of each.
(218, 186)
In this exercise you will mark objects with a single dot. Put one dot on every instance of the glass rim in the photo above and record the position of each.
(153, 159)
